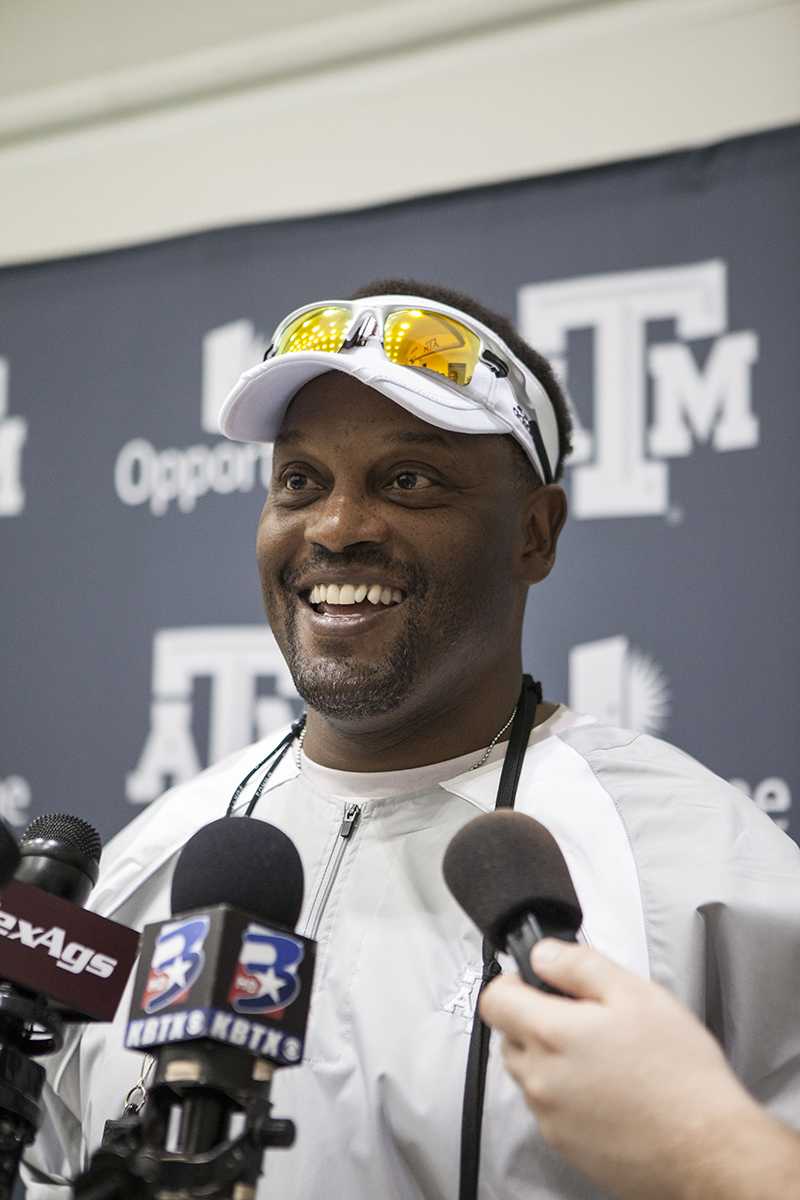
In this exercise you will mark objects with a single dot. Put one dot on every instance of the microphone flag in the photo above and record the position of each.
(48, 945)
(222, 974)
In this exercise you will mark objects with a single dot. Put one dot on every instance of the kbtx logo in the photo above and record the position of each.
(618, 469)
(177, 962)
(265, 979)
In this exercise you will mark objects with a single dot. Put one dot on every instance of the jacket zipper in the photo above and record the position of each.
(350, 819)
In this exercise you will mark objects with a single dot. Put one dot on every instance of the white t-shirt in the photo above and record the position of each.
(379, 785)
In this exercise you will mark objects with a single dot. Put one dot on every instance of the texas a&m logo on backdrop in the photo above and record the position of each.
(251, 695)
(696, 393)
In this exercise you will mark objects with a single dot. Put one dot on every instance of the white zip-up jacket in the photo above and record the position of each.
(680, 877)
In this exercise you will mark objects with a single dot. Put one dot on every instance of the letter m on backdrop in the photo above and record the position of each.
(618, 468)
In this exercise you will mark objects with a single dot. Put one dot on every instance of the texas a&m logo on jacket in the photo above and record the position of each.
(265, 979)
(176, 964)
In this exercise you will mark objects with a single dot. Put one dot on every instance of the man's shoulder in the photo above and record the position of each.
(652, 782)
(608, 745)
(632, 765)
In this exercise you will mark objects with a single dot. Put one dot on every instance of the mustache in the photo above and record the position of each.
(414, 579)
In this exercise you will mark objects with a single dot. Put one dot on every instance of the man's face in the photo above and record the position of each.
(365, 495)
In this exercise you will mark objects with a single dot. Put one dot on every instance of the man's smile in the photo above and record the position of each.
(349, 605)
(332, 595)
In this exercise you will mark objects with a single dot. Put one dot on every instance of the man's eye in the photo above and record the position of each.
(295, 481)
(411, 481)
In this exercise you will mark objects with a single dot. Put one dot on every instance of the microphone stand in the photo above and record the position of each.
(29, 1027)
(197, 1086)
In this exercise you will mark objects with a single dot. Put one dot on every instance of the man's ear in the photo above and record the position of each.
(545, 514)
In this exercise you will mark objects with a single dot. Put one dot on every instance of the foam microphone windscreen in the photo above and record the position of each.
(504, 864)
(244, 862)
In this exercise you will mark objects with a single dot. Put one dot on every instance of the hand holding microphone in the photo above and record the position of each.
(632, 1089)
(624, 1082)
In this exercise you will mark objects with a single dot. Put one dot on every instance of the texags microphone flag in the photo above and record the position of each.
(78, 959)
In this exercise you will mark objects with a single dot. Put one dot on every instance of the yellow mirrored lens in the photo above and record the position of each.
(317, 329)
(415, 338)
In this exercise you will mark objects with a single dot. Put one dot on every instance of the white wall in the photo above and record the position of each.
(123, 122)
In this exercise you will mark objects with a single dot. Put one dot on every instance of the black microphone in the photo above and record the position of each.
(507, 872)
(58, 963)
(61, 855)
(220, 999)
(9, 853)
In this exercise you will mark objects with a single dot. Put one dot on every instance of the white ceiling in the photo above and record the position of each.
(44, 43)
(123, 121)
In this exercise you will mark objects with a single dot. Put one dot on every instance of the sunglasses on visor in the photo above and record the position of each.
(426, 338)
(411, 337)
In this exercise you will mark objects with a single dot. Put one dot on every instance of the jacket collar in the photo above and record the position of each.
(149, 841)
(161, 831)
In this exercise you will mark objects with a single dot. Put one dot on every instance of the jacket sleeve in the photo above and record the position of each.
(720, 890)
(752, 961)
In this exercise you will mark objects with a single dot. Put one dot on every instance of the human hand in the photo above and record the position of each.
(628, 1085)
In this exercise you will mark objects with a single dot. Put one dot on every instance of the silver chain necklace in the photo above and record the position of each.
(298, 746)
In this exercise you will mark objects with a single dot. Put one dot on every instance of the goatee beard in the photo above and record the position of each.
(347, 689)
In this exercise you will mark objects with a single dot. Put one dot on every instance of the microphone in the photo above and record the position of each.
(9, 853)
(247, 864)
(220, 1000)
(58, 963)
(507, 872)
(61, 855)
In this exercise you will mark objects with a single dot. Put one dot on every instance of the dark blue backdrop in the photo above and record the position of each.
(135, 649)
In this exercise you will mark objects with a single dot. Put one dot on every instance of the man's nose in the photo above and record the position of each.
(344, 518)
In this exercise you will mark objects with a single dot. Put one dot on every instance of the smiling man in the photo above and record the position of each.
(395, 560)
(414, 500)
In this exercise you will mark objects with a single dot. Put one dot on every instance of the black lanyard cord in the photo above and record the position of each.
(277, 753)
(478, 1055)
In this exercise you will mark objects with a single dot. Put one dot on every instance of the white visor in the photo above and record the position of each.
(255, 408)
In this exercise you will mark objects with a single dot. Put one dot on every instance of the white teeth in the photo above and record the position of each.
(352, 593)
